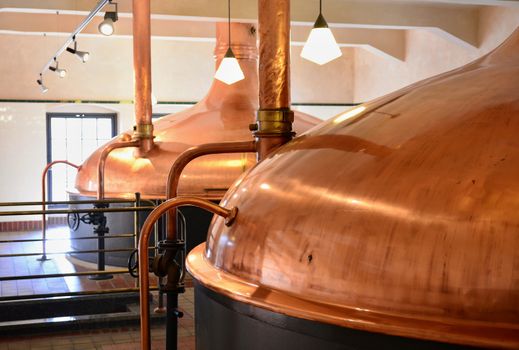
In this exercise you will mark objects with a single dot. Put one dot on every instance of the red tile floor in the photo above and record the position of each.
(106, 339)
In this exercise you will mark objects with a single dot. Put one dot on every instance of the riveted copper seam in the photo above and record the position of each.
(188, 156)
(44, 198)
(144, 238)
(142, 72)
(102, 162)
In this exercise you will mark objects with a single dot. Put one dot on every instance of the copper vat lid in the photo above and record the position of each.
(399, 217)
(223, 115)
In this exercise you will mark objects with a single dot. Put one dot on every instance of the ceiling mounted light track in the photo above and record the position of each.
(229, 71)
(321, 47)
(83, 55)
(106, 27)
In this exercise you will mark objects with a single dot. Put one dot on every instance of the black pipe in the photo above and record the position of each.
(100, 230)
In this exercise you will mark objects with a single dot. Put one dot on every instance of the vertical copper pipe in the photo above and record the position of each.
(102, 160)
(142, 72)
(43, 202)
(274, 53)
(185, 158)
(274, 122)
(144, 254)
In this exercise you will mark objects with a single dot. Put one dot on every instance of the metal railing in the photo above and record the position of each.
(94, 216)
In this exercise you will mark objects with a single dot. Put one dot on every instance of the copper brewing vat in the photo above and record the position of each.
(400, 217)
(223, 115)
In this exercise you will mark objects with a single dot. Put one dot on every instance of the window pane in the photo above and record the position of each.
(58, 128)
(74, 138)
(71, 178)
(59, 183)
(89, 146)
(74, 150)
(74, 128)
(104, 128)
(59, 149)
(89, 129)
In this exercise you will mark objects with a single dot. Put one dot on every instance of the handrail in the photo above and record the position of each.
(71, 211)
(43, 199)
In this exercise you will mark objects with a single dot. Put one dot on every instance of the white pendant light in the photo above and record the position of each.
(229, 71)
(321, 46)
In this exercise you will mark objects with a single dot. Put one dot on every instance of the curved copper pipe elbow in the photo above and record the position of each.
(228, 214)
(186, 157)
(102, 160)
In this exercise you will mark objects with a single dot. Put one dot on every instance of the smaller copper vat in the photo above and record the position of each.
(223, 115)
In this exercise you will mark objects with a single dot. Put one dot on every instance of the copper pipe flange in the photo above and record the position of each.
(273, 122)
(143, 131)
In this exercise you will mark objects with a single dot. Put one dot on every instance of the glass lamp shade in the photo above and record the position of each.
(321, 46)
(229, 71)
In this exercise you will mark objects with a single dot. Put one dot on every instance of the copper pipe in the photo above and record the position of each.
(274, 122)
(228, 214)
(188, 156)
(102, 160)
(142, 72)
(43, 200)
(274, 53)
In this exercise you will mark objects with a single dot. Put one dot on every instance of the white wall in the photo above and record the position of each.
(23, 153)
(428, 54)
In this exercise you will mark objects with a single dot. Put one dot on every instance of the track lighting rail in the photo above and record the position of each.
(73, 35)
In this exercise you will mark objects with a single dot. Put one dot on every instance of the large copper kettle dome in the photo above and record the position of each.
(399, 217)
(223, 115)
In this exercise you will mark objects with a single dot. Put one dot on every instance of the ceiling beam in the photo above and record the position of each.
(457, 23)
(384, 42)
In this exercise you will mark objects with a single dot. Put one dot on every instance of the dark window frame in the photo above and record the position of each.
(48, 121)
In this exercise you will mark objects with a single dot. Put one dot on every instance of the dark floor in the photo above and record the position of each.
(106, 339)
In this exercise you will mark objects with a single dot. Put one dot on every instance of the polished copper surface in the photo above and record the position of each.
(144, 238)
(223, 115)
(274, 50)
(273, 126)
(102, 162)
(141, 18)
(399, 216)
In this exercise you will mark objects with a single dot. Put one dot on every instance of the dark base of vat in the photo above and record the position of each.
(225, 324)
